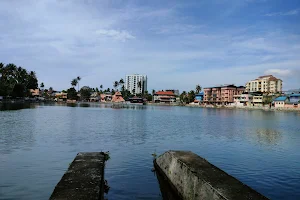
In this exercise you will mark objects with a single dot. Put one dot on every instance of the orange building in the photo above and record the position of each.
(117, 98)
(222, 94)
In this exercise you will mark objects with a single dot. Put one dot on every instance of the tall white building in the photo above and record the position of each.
(265, 84)
(132, 83)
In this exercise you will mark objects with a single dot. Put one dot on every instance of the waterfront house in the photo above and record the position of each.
(136, 99)
(95, 97)
(164, 97)
(280, 102)
(176, 92)
(294, 98)
(106, 97)
(35, 92)
(117, 98)
(244, 99)
(222, 94)
(61, 96)
(257, 100)
(199, 97)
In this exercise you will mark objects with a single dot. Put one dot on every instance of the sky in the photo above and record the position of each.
(176, 43)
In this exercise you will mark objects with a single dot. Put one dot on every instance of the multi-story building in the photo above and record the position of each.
(222, 94)
(136, 83)
(265, 84)
(176, 92)
(164, 97)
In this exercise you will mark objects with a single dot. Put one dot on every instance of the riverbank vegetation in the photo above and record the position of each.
(16, 81)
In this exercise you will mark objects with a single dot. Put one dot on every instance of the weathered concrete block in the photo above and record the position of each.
(83, 180)
(195, 178)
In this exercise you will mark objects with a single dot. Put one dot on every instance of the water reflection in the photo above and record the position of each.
(16, 106)
(21, 128)
(268, 136)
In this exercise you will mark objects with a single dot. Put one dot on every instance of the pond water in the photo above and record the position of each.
(260, 148)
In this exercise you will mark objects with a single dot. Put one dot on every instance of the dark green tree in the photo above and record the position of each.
(85, 93)
(191, 96)
(78, 80)
(116, 84)
(11, 79)
(198, 89)
(72, 93)
(74, 82)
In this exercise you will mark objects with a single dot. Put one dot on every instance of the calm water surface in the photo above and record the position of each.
(260, 148)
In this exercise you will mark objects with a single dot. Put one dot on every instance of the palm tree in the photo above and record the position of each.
(198, 89)
(121, 83)
(42, 88)
(116, 84)
(101, 86)
(78, 79)
(74, 82)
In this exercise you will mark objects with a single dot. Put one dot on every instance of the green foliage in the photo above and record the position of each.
(72, 93)
(74, 82)
(153, 92)
(191, 96)
(16, 81)
(187, 97)
(126, 94)
(85, 92)
(116, 84)
(198, 89)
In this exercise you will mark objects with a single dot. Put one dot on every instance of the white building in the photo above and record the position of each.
(265, 84)
(132, 83)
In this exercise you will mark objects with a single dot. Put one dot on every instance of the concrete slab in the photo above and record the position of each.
(83, 180)
(195, 178)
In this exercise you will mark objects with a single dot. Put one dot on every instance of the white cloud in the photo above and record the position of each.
(284, 72)
(115, 34)
(291, 12)
(280, 72)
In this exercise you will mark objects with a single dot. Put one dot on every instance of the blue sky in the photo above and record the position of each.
(177, 44)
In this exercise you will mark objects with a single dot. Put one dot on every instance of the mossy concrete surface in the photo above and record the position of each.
(195, 178)
(83, 180)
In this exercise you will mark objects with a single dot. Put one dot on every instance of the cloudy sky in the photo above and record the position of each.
(177, 44)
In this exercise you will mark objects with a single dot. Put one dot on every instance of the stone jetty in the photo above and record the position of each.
(83, 180)
(193, 178)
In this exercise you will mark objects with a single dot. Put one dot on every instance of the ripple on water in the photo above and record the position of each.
(36, 146)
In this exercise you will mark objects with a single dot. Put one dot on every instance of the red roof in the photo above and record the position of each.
(168, 93)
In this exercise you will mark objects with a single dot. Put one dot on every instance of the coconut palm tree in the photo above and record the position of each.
(116, 84)
(74, 82)
(78, 79)
(198, 88)
(121, 83)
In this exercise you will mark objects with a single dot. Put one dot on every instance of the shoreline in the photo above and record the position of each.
(245, 108)
(158, 104)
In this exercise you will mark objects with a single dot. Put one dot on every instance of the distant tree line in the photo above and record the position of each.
(16, 81)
